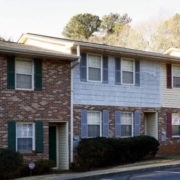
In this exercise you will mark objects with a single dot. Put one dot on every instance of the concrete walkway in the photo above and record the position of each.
(158, 164)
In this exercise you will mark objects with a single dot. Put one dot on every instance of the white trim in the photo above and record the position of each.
(88, 67)
(32, 75)
(132, 125)
(71, 119)
(129, 59)
(67, 143)
(33, 136)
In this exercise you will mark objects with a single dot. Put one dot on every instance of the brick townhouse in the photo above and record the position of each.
(35, 90)
(120, 92)
(55, 91)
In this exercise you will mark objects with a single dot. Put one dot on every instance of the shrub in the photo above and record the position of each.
(141, 147)
(95, 152)
(43, 166)
(99, 152)
(10, 162)
(24, 170)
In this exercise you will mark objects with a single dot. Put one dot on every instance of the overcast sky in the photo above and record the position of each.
(49, 17)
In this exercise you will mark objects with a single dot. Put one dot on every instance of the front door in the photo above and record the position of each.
(53, 144)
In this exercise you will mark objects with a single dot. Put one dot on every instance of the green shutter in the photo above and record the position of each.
(12, 135)
(38, 74)
(39, 137)
(10, 72)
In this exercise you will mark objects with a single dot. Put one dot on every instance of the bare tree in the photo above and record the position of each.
(167, 35)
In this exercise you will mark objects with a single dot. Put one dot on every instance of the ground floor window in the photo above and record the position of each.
(25, 137)
(175, 124)
(126, 124)
(94, 124)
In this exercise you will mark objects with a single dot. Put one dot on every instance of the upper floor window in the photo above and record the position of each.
(24, 74)
(94, 67)
(25, 137)
(176, 76)
(94, 124)
(126, 124)
(127, 72)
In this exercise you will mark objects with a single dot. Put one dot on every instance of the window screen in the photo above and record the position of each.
(24, 133)
(24, 74)
(94, 124)
(94, 68)
(175, 124)
(127, 71)
(126, 124)
(176, 76)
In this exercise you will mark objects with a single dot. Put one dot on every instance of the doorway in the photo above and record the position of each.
(59, 145)
(53, 144)
(151, 124)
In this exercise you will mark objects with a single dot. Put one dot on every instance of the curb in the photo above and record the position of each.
(106, 174)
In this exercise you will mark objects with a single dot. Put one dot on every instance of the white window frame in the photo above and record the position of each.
(173, 65)
(132, 125)
(100, 125)
(88, 67)
(178, 115)
(32, 75)
(129, 59)
(33, 137)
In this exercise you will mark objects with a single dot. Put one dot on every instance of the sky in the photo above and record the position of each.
(49, 17)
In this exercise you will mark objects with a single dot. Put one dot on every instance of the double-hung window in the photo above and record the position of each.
(94, 67)
(25, 137)
(127, 72)
(175, 124)
(94, 124)
(126, 124)
(176, 76)
(24, 74)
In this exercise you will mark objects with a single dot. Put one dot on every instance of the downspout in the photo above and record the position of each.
(72, 107)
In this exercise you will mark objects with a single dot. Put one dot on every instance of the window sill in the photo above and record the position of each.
(29, 153)
(124, 84)
(94, 81)
(126, 136)
(176, 136)
(24, 89)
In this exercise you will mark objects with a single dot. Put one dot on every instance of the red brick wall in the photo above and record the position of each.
(170, 147)
(50, 104)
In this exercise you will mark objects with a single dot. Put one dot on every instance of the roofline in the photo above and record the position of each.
(128, 52)
(69, 57)
(113, 49)
(171, 49)
(20, 40)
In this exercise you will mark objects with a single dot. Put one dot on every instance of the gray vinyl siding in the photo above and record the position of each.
(97, 93)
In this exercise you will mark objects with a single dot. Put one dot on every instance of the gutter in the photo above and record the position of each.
(78, 61)
(128, 52)
(73, 64)
(38, 53)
